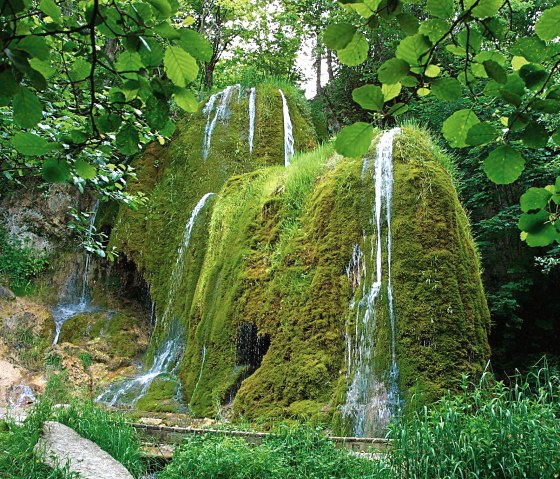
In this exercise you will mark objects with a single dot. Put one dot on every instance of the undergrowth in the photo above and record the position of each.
(19, 262)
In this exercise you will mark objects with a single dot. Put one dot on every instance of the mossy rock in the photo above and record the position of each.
(162, 396)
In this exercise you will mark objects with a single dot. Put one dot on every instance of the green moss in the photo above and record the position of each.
(161, 397)
(117, 334)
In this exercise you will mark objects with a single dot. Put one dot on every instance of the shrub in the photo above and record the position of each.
(19, 261)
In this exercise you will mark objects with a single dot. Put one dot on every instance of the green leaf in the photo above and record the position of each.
(80, 70)
(535, 136)
(369, 97)
(504, 165)
(409, 23)
(180, 66)
(548, 24)
(456, 127)
(85, 170)
(339, 35)
(531, 48)
(543, 236)
(44, 68)
(495, 71)
(391, 91)
(50, 8)
(196, 45)
(27, 108)
(441, 8)
(55, 171)
(448, 89)
(533, 75)
(494, 56)
(157, 112)
(127, 140)
(36, 46)
(413, 50)
(30, 144)
(434, 29)
(392, 71)
(556, 137)
(108, 122)
(398, 109)
(409, 81)
(185, 99)
(151, 52)
(532, 221)
(128, 61)
(485, 8)
(534, 199)
(481, 134)
(354, 140)
(355, 52)
(432, 71)
(162, 7)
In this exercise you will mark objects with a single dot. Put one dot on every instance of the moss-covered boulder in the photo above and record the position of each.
(273, 270)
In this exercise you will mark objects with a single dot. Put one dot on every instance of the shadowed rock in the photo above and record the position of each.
(60, 444)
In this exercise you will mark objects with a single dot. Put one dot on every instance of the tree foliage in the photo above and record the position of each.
(85, 84)
(450, 49)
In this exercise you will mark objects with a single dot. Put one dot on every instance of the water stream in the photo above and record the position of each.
(372, 398)
(288, 131)
(215, 113)
(252, 114)
(166, 358)
(77, 300)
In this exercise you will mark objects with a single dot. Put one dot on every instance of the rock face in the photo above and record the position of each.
(60, 444)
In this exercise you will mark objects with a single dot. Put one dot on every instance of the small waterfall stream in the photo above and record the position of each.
(372, 400)
(221, 113)
(166, 358)
(252, 114)
(288, 131)
(76, 303)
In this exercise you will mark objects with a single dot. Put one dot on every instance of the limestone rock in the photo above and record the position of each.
(6, 294)
(60, 444)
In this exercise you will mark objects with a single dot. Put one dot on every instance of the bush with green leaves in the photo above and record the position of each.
(19, 261)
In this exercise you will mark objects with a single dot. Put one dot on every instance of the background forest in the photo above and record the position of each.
(86, 84)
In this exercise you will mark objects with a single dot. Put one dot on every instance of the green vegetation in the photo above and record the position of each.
(20, 262)
(108, 430)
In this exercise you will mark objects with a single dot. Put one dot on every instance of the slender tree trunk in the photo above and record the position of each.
(318, 62)
(330, 64)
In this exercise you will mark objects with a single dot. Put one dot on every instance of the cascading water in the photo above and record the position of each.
(78, 300)
(372, 397)
(221, 113)
(288, 131)
(21, 395)
(252, 114)
(166, 358)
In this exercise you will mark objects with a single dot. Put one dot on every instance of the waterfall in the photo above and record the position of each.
(252, 113)
(220, 113)
(372, 399)
(21, 395)
(288, 131)
(77, 303)
(166, 358)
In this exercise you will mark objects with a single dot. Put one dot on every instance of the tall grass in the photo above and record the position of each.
(108, 430)
(294, 453)
(491, 430)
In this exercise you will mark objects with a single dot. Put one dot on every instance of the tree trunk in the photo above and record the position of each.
(318, 62)
(330, 64)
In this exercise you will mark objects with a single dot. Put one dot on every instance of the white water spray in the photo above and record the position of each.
(77, 304)
(166, 358)
(288, 131)
(221, 113)
(252, 114)
(371, 400)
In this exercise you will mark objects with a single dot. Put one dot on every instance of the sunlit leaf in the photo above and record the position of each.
(504, 165)
(457, 126)
(354, 140)
(369, 97)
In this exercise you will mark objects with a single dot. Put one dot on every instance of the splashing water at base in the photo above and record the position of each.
(21, 395)
(288, 131)
(166, 358)
(371, 401)
(252, 114)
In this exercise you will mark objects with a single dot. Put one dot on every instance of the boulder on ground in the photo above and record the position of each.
(60, 444)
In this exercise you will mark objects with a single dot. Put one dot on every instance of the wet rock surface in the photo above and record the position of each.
(60, 444)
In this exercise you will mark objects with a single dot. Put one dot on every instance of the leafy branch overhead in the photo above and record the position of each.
(80, 77)
(512, 81)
